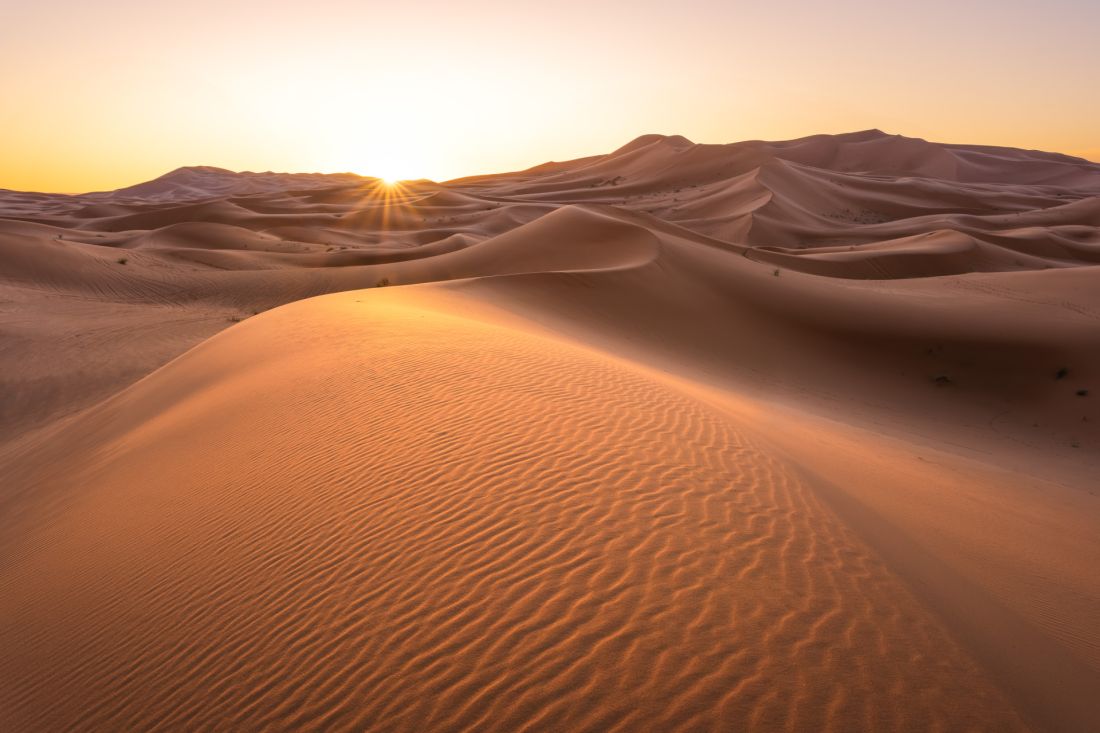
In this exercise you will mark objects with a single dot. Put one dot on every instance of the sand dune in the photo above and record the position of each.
(439, 522)
(763, 436)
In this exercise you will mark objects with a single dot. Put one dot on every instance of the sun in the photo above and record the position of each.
(388, 172)
(391, 167)
(389, 149)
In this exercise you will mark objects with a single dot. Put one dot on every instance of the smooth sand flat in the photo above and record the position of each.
(769, 436)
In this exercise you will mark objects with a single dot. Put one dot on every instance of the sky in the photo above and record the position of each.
(99, 95)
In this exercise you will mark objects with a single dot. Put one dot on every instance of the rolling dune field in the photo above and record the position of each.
(770, 436)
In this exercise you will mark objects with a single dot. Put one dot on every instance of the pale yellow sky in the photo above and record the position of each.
(102, 95)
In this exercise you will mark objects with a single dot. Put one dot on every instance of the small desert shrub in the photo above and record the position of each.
(382, 283)
(1082, 393)
(941, 380)
(1061, 373)
(122, 260)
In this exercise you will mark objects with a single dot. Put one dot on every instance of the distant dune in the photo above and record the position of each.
(765, 436)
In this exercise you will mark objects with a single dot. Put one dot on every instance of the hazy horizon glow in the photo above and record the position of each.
(102, 95)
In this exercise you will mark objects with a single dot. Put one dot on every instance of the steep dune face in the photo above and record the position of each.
(762, 436)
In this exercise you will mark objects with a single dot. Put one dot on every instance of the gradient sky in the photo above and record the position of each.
(98, 95)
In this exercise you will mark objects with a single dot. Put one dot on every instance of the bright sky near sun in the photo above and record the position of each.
(98, 95)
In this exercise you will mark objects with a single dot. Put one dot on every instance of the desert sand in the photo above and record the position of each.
(769, 436)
